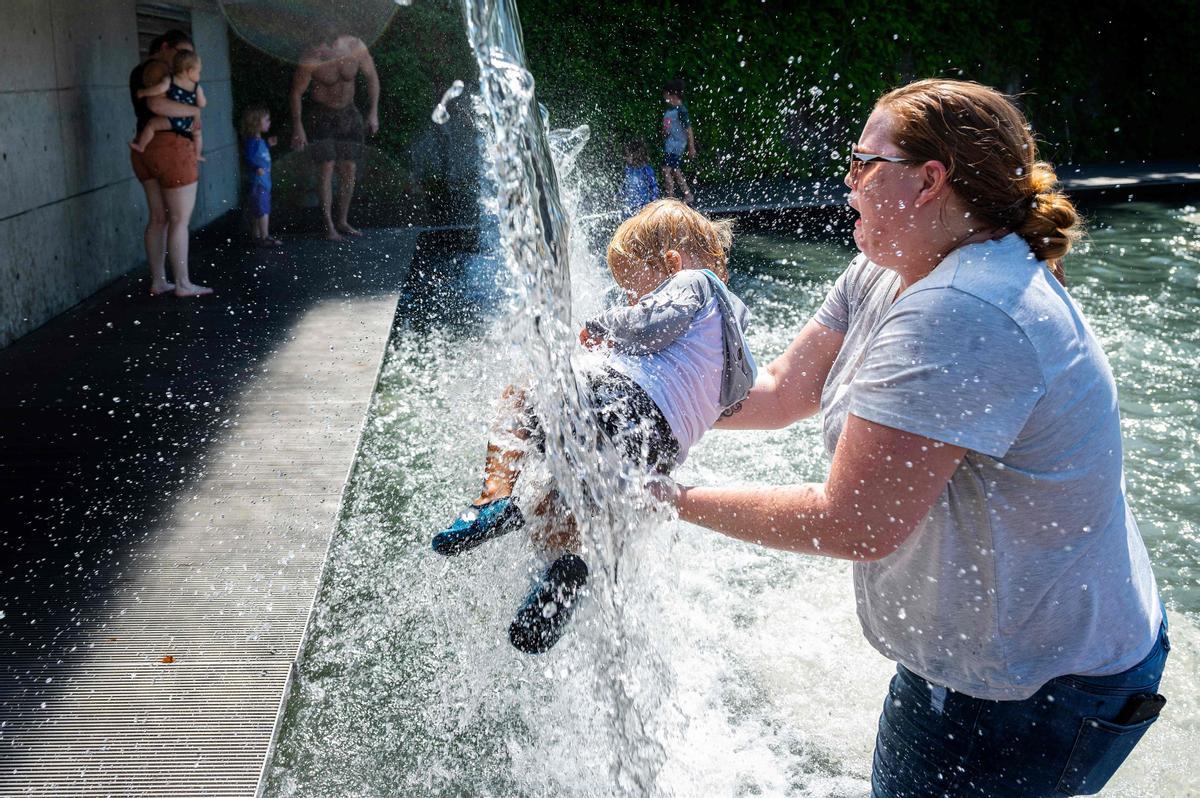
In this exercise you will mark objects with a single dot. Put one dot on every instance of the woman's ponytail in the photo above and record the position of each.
(1051, 225)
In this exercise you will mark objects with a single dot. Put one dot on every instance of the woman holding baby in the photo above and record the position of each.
(166, 164)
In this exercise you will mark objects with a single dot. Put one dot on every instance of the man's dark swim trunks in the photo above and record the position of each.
(334, 134)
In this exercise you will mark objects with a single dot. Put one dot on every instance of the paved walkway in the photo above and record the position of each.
(170, 476)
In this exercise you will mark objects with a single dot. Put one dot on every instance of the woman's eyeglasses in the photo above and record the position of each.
(859, 160)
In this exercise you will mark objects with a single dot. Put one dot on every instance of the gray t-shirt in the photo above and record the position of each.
(1030, 565)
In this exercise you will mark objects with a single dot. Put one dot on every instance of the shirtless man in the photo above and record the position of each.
(331, 128)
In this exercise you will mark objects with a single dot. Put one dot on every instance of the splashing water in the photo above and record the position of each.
(594, 485)
(440, 115)
(284, 29)
(708, 667)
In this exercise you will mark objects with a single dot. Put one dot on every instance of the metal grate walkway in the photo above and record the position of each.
(171, 473)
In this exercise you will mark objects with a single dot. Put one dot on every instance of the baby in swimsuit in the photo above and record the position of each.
(182, 86)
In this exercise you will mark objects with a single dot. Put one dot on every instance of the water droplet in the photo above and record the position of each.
(440, 114)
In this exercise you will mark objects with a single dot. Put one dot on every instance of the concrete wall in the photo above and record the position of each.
(219, 173)
(71, 212)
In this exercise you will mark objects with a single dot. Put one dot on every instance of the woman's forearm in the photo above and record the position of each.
(788, 389)
(881, 485)
(764, 408)
(161, 106)
(790, 517)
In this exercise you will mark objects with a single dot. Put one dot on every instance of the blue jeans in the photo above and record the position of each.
(1061, 741)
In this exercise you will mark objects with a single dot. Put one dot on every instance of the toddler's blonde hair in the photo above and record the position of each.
(252, 119)
(645, 237)
(184, 60)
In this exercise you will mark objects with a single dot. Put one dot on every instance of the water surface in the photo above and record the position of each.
(748, 664)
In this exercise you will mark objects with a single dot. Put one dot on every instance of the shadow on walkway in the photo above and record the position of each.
(108, 412)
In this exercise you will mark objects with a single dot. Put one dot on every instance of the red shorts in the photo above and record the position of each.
(169, 160)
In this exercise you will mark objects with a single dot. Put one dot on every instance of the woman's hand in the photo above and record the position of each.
(299, 140)
(663, 489)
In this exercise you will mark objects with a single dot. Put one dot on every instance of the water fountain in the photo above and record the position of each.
(708, 667)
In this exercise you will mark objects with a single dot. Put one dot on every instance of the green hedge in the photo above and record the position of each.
(775, 88)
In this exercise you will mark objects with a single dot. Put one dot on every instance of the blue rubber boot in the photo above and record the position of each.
(478, 524)
(543, 617)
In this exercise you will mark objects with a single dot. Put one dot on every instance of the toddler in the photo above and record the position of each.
(672, 360)
(182, 86)
(256, 169)
(677, 138)
(640, 187)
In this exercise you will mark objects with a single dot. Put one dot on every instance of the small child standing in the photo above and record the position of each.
(671, 361)
(181, 86)
(640, 187)
(256, 157)
(677, 139)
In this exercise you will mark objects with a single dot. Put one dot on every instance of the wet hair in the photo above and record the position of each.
(635, 152)
(674, 88)
(252, 119)
(669, 224)
(184, 60)
(172, 38)
(991, 160)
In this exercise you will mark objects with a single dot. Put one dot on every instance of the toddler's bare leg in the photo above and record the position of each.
(668, 183)
(198, 143)
(159, 124)
(502, 465)
(561, 535)
(683, 185)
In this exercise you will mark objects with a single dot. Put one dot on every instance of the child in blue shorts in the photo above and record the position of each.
(256, 157)
(677, 139)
